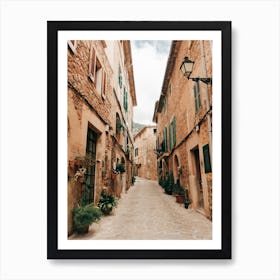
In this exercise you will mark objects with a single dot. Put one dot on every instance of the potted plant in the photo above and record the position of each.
(169, 184)
(107, 202)
(114, 174)
(120, 167)
(133, 179)
(83, 216)
(187, 201)
(179, 192)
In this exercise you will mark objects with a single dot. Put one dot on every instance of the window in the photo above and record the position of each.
(172, 134)
(120, 77)
(72, 44)
(155, 131)
(125, 101)
(164, 105)
(90, 173)
(207, 162)
(165, 147)
(97, 74)
(197, 99)
(104, 82)
(174, 131)
(170, 89)
(118, 124)
(136, 152)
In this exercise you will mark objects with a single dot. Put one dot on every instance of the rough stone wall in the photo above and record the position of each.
(145, 141)
(191, 126)
(88, 107)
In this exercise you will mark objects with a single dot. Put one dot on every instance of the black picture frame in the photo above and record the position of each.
(53, 27)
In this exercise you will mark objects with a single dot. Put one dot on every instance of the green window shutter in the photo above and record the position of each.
(165, 139)
(170, 136)
(207, 162)
(197, 98)
(174, 131)
(198, 94)
(120, 77)
(164, 105)
(125, 99)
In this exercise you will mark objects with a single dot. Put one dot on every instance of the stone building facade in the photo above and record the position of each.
(183, 115)
(145, 157)
(101, 97)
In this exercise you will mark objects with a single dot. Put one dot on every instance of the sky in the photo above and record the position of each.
(149, 60)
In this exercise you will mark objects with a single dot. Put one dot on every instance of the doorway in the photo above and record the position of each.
(197, 173)
(91, 153)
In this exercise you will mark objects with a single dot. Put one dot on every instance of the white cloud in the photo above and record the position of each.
(149, 63)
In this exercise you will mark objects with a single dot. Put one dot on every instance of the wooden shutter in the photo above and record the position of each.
(174, 131)
(72, 45)
(125, 99)
(207, 162)
(92, 64)
(170, 136)
(165, 139)
(120, 77)
(104, 81)
(197, 99)
(198, 94)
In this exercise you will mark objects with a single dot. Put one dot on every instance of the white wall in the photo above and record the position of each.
(255, 139)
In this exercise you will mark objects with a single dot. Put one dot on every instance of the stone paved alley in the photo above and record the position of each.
(146, 213)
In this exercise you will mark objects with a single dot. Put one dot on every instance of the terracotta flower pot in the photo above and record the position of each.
(180, 198)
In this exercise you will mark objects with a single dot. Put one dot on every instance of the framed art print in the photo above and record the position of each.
(139, 140)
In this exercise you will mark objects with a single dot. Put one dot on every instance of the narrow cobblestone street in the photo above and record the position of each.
(146, 213)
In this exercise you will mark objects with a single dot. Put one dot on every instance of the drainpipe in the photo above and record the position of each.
(207, 100)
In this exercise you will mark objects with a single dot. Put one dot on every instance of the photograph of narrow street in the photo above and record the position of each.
(145, 212)
(139, 140)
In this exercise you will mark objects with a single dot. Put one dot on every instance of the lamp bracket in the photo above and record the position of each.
(204, 80)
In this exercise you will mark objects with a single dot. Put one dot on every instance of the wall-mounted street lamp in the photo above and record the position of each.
(187, 68)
